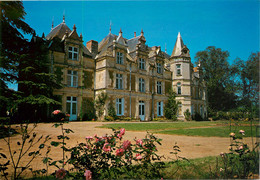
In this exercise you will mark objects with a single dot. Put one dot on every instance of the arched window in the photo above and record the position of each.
(178, 88)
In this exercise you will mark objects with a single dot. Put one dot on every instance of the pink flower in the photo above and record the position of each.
(241, 147)
(120, 152)
(89, 137)
(56, 112)
(126, 145)
(222, 154)
(119, 136)
(122, 131)
(87, 147)
(68, 115)
(88, 174)
(139, 142)
(138, 156)
(61, 173)
(242, 132)
(221, 169)
(232, 134)
(106, 147)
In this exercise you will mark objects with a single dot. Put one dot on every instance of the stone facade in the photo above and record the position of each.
(135, 77)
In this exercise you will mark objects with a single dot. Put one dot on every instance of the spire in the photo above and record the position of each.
(110, 27)
(178, 46)
(142, 32)
(52, 24)
(120, 32)
(165, 48)
(63, 17)
(74, 27)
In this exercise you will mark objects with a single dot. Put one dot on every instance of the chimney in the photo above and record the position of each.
(92, 46)
(134, 34)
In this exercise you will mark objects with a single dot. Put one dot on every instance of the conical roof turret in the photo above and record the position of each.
(179, 45)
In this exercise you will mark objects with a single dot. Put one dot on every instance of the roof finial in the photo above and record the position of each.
(110, 27)
(74, 27)
(142, 32)
(52, 24)
(165, 48)
(63, 16)
(120, 32)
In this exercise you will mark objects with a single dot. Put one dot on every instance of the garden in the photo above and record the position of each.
(131, 150)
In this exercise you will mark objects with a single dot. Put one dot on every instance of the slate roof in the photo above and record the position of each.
(178, 46)
(59, 31)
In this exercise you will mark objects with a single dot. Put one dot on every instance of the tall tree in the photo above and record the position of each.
(219, 76)
(171, 106)
(12, 28)
(249, 81)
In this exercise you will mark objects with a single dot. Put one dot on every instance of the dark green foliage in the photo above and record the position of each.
(197, 117)
(187, 115)
(112, 111)
(100, 103)
(171, 106)
(58, 72)
(89, 110)
(219, 76)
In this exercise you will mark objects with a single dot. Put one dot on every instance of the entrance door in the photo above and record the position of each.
(141, 110)
(72, 107)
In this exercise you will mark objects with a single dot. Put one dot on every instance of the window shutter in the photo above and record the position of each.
(158, 109)
(162, 108)
(123, 106)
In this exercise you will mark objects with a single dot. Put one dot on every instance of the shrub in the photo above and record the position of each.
(187, 115)
(111, 111)
(109, 118)
(240, 162)
(159, 119)
(197, 117)
(171, 107)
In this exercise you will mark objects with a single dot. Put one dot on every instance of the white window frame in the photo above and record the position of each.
(178, 88)
(159, 87)
(119, 81)
(72, 78)
(119, 58)
(74, 52)
(141, 85)
(120, 106)
(178, 69)
(159, 68)
(141, 63)
(70, 101)
(160, 108)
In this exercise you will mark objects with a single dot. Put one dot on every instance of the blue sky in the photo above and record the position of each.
(229, 25)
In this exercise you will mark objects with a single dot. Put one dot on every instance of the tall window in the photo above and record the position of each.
(160, 108)
(120, 106)
(178, 69)
(159, 87)
(141, 63)
(159, 68)
(119, 58)
(141, 85)
(119, 81)
(178, 88)
(71, 106)
(73, 53)
(72, 78)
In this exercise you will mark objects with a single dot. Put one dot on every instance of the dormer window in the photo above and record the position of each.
(141, 63)
(159, 68)
(73, 53)
(119, 58)
(178, 69)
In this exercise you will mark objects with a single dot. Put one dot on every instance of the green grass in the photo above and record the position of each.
(193, 128)
(159, 126)
(211, 132)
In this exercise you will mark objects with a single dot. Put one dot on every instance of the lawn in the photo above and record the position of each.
(222, 131)
(146, 126)
(193, 128)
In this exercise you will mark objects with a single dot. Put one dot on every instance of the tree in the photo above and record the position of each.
(249, 81)
(35, 82)
(171, 106)
(100, 103)
(220, 78)
(12, 41)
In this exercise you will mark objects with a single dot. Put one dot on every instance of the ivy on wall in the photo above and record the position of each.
(58, 72)
(88, 79)
(111, 77)
(168, 87)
